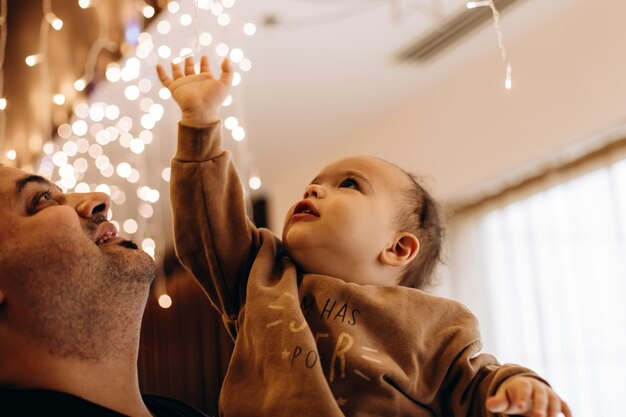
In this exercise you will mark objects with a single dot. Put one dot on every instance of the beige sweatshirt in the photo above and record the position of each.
(313, 345)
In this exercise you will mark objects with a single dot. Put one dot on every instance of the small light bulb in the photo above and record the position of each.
(222, 49)
(231, 122)
(57, 24)
(185, 19)
(238, 133)
(255, 183)
(34, 59)
(205, 39)
(65, 131)
(84, 3)
(54, 21)
(130, 226)
(236, 55)
(204, 4)
(173, 6)
(223, 19)
(166, 174)
(165, 301)
(249, 29)
(3, 103)
(124, 170)
(11, 154)
(148, 11)
(59, 99)
(164, 93)
(80, 84)
(508, 84)
(245, 65)
(113, 72)
(163, 27)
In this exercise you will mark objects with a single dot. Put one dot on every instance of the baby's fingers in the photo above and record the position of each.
(176, 72)
(227, 72)
(189, 66)
(512, 397)
(520, 395)
(558, 405)
(163, 77)
(497, 404)
(542, 400)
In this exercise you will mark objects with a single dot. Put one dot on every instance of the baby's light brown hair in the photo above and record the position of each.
(420, 214)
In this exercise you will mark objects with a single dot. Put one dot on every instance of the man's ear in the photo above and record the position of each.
(402, 250)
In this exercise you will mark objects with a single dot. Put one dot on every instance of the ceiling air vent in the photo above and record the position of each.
(451, 31)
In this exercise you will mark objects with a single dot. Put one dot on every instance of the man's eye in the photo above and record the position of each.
(42, 200)
(45, 197)
(349, 183)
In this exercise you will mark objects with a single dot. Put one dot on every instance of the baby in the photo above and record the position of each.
(329, 321)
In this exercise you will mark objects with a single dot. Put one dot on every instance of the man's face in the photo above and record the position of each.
(60, 261)
(346, 219)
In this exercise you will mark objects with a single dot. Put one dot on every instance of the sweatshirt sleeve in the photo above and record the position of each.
(468, 376)
(214, 238)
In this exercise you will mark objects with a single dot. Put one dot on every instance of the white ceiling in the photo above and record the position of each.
(328, 68)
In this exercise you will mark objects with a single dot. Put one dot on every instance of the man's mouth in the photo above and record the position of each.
(104, 233)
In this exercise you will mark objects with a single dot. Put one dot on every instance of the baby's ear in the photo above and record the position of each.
(402, 251)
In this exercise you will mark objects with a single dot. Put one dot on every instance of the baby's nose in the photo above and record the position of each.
(314, 190)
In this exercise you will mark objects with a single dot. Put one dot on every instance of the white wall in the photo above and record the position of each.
(569, 83)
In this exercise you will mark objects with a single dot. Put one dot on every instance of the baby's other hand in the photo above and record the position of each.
(526, 396)
(199, 96)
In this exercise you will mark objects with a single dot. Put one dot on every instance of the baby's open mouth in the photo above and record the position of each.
(305, 207)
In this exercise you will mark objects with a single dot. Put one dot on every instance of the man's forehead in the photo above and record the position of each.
(8, 176)
(12, 180)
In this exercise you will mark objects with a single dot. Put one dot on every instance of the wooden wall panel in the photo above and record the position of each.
(184, 350)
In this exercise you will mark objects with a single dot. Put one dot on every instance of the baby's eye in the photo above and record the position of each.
(349, 183)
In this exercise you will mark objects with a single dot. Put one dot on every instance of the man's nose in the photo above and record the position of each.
(314, 190)
(89, 204)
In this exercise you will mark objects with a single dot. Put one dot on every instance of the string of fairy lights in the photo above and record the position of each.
(508, 83)
(99, 129)
(3, 47)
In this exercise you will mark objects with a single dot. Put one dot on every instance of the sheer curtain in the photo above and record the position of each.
(546, 276)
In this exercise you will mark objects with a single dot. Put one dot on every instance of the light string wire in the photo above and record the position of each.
(44, 73)
(196, 25)
(496, 23)
(103, 42)
(3, 44)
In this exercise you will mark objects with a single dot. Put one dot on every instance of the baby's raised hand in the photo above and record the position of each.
(526, 396)
(199, 96)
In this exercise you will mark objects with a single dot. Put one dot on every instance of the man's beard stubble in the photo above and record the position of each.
(90, 303)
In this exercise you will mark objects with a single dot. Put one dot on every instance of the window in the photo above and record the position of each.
(546, 276)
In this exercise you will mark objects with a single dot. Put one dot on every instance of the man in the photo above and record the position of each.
(72, 295)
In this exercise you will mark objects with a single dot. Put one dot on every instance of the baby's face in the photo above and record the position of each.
(346, 219)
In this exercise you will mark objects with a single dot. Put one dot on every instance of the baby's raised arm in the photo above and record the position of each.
(214, 238)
